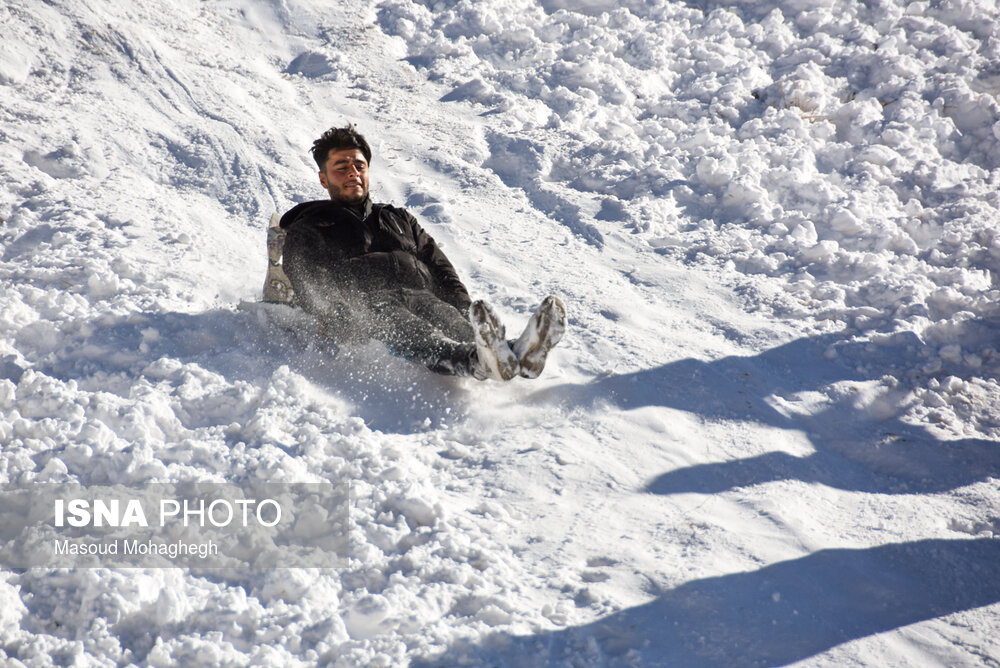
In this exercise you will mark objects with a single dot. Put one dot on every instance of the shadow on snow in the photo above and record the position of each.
(854, 449)
(792, 610)
(777, 615)
(389, 394)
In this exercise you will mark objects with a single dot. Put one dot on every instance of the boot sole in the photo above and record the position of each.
(492, 349)
(544, 331)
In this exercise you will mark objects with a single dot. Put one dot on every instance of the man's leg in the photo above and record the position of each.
(494, 355)
(421, 328)
(442, 315)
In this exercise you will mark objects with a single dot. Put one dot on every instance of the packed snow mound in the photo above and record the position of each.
(848, 149)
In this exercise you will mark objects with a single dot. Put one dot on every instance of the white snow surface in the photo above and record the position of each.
(770, 436)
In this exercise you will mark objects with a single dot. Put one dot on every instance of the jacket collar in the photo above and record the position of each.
(366, 207)
(360, 214)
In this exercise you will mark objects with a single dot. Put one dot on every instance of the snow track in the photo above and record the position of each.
(768, 437)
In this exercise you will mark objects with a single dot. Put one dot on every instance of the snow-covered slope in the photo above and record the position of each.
(772, 434)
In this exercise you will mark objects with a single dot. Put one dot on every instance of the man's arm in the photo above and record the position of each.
(311, 266)
(452, 290)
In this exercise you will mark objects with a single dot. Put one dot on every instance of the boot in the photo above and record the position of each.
(543, 332)
(494, 357)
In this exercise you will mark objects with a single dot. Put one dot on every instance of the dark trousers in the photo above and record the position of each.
(419, 326)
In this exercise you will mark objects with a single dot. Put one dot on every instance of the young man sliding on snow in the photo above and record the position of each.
(369, 271)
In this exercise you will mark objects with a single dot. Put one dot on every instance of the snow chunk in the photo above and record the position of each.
(365, 616)
(16, 60)
(714, 172)
(314, 65)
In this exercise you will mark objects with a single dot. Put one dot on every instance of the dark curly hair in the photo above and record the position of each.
(336, 139)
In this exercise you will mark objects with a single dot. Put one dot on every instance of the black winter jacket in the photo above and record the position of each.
(336, 256)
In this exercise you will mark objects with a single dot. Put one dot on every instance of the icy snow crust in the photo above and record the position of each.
(770, 435)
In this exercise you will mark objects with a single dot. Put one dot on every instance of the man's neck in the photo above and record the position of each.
(362, 208)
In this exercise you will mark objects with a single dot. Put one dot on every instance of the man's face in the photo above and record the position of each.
(345, 176)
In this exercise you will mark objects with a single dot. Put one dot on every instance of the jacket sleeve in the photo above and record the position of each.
(315, 272)
(451, 289)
